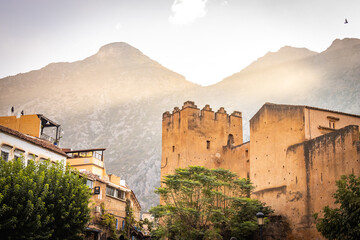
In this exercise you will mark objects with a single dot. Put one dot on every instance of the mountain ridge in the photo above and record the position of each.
(115, 98)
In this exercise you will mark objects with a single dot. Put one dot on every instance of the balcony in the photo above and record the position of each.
(48, 138)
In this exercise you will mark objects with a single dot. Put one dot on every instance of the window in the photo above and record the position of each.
(122, 194)
(5, 155)
(89, 183)
(31, 156)
(5, 152)
(173, 147)
(117, 224)
(230, 141)
(18, 153)
(207, 144)
(332, 121)
(331, 124)
(110, 191)
(115, 193)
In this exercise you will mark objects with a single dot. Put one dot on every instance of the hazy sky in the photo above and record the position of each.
(204, 40)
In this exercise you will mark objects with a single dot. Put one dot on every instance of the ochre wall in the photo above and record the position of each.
(313, 167)
(272, 130)
(317, 121)
(292, 162)
(194, 137)
(28, 124)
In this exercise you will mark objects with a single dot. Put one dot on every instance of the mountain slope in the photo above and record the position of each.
(115, 99)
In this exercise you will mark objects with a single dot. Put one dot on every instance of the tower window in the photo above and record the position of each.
(173, 147)
(207, 144)
(230, 141)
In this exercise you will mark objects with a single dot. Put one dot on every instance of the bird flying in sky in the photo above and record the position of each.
(346, 21)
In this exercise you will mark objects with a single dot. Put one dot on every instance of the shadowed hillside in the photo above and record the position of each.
(115, 99)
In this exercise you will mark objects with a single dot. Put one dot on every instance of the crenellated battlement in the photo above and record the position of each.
(205, 113)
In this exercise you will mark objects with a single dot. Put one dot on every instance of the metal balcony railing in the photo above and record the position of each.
(48, 138)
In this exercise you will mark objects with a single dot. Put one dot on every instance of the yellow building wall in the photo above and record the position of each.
(28, 124)
(92, 164)
(112, 205)
(114, 179)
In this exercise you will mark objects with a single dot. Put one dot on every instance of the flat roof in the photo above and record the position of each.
(84, 150)
(304, 106)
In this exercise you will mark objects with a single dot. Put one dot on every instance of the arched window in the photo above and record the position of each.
(230, 140)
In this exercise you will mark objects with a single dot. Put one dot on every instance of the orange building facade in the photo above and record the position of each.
(294, 157)
(110, 193)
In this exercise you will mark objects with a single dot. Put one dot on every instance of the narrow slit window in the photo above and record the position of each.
(173, 147)
(207, 144)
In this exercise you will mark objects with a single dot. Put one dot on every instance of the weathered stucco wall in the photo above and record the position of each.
(272, 130)
(294, 156)
(313, 168)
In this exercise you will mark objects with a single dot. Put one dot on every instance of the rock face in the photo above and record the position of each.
(115, 99)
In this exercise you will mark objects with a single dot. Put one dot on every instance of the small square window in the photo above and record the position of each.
(5, 156)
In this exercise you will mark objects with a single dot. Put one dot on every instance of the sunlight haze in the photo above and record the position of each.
(204, 40)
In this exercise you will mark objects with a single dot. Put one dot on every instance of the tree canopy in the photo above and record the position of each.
(42, 201)
(342, 222)
(201, 203)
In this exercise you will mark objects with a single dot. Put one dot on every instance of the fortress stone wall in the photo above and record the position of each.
(191, 136)
(294, 157)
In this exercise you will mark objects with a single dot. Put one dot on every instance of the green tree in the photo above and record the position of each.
(42, 201)
(108, 221)
(203, 203)
(130, 221)
(343, 222)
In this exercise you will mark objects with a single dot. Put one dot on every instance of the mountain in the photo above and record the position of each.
(115, 99)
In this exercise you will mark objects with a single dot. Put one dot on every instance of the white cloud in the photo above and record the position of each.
(186, 11)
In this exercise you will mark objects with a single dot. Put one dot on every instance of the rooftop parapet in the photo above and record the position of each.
(221, 110)
(176, 109)
(236, 114)
(166, 114)
(205, 113)
(189, 104)
(207, 108)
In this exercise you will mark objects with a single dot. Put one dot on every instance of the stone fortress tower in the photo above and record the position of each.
(294, 157)
(191, 136)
